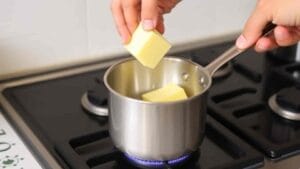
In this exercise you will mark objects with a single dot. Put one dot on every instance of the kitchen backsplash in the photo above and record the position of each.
(47, 34)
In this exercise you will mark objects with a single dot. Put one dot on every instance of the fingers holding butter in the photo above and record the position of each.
(129, 13)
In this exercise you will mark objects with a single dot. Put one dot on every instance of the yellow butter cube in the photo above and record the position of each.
(148, 47)
(168, 93)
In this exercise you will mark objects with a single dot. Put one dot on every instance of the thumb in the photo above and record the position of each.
(253, 29)
(149, 14)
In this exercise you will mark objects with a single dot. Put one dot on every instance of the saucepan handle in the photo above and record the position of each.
(222, 59)
(232, 53)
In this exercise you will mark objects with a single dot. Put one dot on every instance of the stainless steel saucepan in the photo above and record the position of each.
(159, 131)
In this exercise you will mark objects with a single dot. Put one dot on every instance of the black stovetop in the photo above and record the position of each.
(243, 104)
(237, 108)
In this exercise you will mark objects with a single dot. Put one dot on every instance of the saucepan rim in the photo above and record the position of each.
(174, 58)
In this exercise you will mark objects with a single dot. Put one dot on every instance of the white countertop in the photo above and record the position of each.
(42, 35)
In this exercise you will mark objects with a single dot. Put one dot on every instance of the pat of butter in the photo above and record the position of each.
(168, 93)
(148, 47)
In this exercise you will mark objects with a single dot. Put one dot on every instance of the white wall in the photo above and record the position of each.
(43, 34)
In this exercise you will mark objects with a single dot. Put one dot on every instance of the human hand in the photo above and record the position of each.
(284, 13)
(129, 13)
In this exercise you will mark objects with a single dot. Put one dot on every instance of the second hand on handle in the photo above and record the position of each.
(233, 52)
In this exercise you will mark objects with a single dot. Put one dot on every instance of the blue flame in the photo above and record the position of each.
(157, 164)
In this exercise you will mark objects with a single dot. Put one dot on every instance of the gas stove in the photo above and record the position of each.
(44, 124)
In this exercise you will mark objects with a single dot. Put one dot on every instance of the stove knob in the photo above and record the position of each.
(289, 99)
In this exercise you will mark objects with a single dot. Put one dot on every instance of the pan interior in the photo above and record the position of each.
(130, 78)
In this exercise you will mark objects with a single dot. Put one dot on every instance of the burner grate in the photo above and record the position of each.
(241, 103)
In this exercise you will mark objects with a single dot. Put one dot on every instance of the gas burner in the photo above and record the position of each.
(157, 164)
(91, 102)
(286, 103)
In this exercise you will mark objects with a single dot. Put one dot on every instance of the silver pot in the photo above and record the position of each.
(156, 131)
(159, 131)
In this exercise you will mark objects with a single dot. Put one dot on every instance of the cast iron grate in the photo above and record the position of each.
(243, 107)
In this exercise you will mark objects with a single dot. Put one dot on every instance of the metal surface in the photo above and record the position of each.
(150, 130)
(282, 112)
